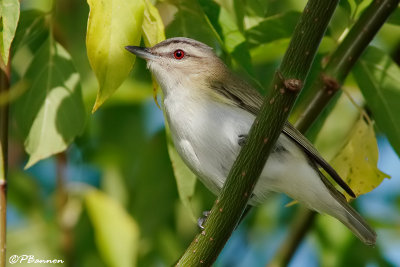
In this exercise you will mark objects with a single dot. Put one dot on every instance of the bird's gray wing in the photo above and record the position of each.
(239, 94)
(244, 96)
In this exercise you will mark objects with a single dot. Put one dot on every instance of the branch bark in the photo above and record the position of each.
(304, 221)
(4, 87)
(322, 91)
(287, 83)
(67, 233)
(342, 61)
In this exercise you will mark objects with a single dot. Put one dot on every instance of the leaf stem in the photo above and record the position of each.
(287, 83)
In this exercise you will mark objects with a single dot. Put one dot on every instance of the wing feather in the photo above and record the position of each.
(242, 95)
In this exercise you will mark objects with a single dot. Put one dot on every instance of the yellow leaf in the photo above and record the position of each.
(152, 27)
(153, 33)
(357, 161)
(112, 25)
(9, 16)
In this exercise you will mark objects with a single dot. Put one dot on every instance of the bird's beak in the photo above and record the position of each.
(141, 52)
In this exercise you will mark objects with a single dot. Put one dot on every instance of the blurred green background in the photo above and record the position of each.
(136, 218)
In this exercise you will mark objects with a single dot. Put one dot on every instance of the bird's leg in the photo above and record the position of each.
(242, 139)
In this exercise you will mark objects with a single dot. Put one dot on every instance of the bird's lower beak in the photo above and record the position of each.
(141, 52)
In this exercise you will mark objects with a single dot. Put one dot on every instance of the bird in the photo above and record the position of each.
(210, 109)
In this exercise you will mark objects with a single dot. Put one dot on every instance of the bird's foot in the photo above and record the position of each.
(203, 219)
(242, 139)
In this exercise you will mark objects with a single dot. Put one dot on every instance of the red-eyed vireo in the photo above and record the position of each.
(210, 111)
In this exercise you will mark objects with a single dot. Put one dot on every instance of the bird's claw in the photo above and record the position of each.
(242, 139)
(202, 219)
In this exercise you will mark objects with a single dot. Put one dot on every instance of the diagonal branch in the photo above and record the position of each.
(342, 61)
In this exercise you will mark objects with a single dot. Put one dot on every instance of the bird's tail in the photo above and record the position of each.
(349, 216)
(357, 224)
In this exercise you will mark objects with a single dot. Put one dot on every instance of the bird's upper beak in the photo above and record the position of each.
(141, 52)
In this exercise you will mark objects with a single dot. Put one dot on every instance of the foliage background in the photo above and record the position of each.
(136, 217)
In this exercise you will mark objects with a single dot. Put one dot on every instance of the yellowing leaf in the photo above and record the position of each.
(357, 161)
(116, 233)
(153, 33)
(112, 25)
(9, 16)
(378, 77)
(152, 27)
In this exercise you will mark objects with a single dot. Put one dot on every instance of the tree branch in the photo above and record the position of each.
(322, 91)
(67, 235)
(286, 85)
(304, 221)
(342, 61)
(4, 87)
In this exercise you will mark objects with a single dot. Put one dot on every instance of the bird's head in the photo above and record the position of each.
(181, 63)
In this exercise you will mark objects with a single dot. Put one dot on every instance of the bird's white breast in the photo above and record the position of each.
(205, 134)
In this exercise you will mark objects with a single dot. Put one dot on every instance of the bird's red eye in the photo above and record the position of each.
(179, 54)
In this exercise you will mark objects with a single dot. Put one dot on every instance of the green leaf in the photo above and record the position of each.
(32, 32)
(185, 178)
(395, 17)
(235, 9)
(357, 161)
(379, 80)
(117, 233)
(235, 42)
(51, 113)
(189, 14)
(256, 8)
(212, 11)
(232, 36)
(152, 27)
(353, 8)
(9, 15)
(338, 117)
(273, 28)
(340, 23)
(112, 25)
